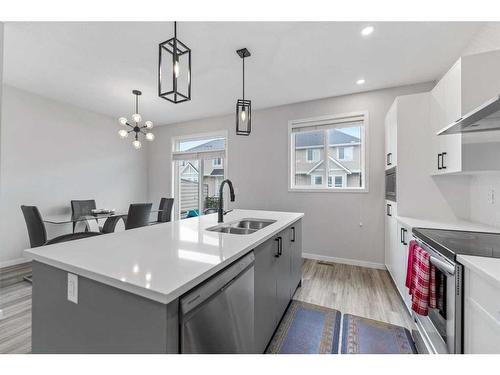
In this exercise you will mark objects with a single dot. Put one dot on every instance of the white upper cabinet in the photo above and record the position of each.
(470, 82)
(391, 136)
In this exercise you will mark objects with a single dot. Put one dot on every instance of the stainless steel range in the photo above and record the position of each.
(442, 330)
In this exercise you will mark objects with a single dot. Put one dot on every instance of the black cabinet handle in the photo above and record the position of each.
(442, 160)
(389, 210)
(439, 161)
(404, 237)
(280, 246)
(389, 158)
(401, 236)
(293, 231)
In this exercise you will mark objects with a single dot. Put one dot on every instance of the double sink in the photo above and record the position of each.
(244, 226)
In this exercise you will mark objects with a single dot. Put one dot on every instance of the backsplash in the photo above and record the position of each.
(485, 198)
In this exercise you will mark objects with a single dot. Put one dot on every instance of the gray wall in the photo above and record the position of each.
(53, 152)
(258, 166)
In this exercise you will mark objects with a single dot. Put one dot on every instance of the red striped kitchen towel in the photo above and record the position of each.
(420, 279)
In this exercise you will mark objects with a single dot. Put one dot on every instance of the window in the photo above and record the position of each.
(198, 171)
(328, 153)
(316, 180)
(345, 153)
(338, 181)
(312, 155)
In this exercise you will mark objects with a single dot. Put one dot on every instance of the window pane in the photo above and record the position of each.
(206, 144)
(308, 157)
(189, 188)
(338, 181)
(213, 175)
(345, 152)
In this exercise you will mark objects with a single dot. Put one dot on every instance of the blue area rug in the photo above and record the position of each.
(367, 336)
(307, 329)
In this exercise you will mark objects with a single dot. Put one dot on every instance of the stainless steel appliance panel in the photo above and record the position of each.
(390, 184)
(442, 328)
(218, 317)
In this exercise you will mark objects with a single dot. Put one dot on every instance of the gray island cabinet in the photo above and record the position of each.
(107, 318)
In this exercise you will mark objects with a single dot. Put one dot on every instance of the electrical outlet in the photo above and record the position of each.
(72, 288)
(491, 195)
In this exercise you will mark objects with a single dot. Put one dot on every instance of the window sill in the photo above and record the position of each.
(324, 190)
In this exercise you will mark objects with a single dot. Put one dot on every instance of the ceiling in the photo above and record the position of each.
(95, 65)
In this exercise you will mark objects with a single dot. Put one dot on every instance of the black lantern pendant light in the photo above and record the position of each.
(174, 70)
(243, 106)
(135, 125)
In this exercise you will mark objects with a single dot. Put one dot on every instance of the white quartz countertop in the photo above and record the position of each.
(448, 225)
(489, 268)
(161, 262)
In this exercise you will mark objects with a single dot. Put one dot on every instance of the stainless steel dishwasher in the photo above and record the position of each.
(218, 316)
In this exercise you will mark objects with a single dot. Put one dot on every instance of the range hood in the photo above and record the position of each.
(486, 117)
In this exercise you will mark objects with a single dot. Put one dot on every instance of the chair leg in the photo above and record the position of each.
(28, 278)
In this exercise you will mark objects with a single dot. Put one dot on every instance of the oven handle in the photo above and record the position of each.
(435, 258)
(442, 266)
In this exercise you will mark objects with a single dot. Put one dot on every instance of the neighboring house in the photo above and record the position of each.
(344, 153)
(213, 175)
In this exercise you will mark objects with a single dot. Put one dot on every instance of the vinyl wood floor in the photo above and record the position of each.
(15, 307)
(350, 289)
(361, 291)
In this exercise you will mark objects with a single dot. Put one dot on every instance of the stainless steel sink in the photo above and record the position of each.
(254, 223)
(232, 230)
(244, 226)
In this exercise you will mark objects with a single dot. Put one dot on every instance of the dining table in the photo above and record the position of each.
(87, 222)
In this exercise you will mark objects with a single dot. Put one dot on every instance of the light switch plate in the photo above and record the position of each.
(72, 288)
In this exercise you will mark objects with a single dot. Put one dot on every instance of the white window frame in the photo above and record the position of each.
(214, 164)
(344, 148)
(326, 120)
(175, 183)
(316, 155)
(342, 183)
(313, 179)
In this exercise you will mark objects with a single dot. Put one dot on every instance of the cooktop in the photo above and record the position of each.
(453, 242)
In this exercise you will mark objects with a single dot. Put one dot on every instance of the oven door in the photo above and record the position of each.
(390, 184)
(441, 330)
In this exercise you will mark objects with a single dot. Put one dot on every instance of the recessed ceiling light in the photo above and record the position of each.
(367, 30)
(360, 81)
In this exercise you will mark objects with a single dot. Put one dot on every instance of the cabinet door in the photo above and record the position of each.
(445, 109)
(296, 255)
(392, 243)
(481, 330)
(391, 138)
(265, 293)
(283, 272)
(400, 260)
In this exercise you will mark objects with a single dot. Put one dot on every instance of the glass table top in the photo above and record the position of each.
(67, 218)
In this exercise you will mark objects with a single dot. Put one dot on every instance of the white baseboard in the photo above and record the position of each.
(352, 262)
(13, 262)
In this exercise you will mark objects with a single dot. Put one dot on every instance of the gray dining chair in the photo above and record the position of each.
(81, 208)
(138, 215)
(165, 210)
(38, 234)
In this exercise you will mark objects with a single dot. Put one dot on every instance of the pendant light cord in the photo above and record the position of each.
(243, 78)
(136, 103)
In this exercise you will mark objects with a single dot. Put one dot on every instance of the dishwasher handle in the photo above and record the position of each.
(217, 283)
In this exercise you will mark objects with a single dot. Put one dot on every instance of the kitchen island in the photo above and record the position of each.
(119, 293)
